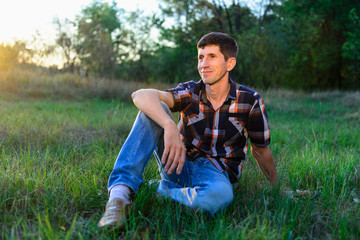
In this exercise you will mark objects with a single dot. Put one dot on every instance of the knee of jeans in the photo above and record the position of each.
(217, 197)
(166, 108)
(142, 116)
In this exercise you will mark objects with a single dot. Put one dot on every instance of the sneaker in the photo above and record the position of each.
(115, 214)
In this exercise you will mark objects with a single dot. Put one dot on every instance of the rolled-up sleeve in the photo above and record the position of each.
(258, 125)
(182, 96)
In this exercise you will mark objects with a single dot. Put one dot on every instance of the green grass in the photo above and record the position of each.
(57, 151)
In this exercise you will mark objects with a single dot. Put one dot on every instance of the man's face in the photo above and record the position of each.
(212, 65)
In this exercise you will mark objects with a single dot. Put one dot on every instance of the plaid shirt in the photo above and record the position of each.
(221, 136)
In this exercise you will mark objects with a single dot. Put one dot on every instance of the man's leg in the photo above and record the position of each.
(128, 168)
(135, 153)
(200, 186)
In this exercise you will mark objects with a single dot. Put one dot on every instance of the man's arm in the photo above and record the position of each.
(149, 102)
(266, 163)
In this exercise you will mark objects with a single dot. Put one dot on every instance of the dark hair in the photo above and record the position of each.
(228, 46)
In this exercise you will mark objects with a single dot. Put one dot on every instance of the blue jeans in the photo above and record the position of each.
(199, 186)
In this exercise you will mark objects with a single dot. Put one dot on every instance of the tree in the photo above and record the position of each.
(66, 40)
(262, 49)
(99, 36)
(138, 46)
(351, 50)
(193, 19)
(316, 33)
(8, 56)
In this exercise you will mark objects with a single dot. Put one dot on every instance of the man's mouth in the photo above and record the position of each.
(206, 72)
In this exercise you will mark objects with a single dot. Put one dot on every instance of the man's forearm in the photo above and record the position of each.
(149, 102)
(266, 163)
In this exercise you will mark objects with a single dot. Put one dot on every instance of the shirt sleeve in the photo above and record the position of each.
(182, 96)
(258, 125)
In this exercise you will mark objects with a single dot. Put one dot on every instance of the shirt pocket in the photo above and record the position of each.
(196, 122)
(234, 130)
(194, 118)
(237, 123)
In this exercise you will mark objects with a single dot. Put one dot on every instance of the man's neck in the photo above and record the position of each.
(218, 92)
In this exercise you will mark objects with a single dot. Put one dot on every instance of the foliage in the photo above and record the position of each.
(352, 46)
(8, 57)
(262, 51)
(38, 50)
(301, 44)
(194, 19)
(12, 55)
(137, 47)
(67, 42)
(351, 49)
(99, 35)
(316, 34)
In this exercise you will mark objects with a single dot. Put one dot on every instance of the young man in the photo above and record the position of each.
(200, 159)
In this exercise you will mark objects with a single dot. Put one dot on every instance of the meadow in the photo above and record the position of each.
(60, 135)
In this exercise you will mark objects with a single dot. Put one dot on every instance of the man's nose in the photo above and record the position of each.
(205, 62)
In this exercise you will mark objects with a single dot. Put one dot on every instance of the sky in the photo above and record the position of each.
(20, 19)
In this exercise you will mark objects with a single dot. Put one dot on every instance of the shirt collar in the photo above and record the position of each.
(232, 92)
(231, 95)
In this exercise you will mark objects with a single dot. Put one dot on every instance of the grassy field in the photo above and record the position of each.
(60, 135)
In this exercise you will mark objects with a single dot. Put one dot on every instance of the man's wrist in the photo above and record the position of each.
(169, 123)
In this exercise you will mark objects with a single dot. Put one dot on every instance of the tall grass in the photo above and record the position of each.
(57, 151)
(32, 82)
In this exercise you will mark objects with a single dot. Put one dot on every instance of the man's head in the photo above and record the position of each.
(228, 46)
(216, 58)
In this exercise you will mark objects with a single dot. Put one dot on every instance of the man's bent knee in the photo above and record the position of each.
(216, 198)
(166, 108)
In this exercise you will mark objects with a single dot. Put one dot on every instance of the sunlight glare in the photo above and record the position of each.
(19, 20)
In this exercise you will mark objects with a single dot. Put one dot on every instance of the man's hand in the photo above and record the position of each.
(174, 150)
(297, 193)
(149, 102)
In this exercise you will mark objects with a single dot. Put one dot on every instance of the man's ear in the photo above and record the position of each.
(231, 63)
